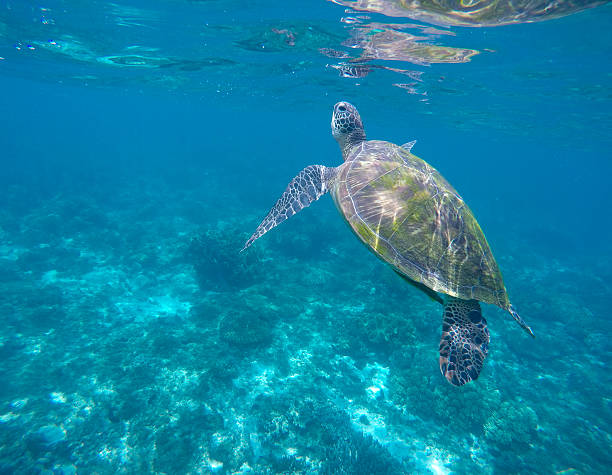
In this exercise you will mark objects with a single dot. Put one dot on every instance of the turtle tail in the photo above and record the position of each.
(519, 320)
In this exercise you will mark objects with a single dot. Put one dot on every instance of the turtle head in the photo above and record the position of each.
(347, 127)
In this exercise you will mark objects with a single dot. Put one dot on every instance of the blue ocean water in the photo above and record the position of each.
(142, 142)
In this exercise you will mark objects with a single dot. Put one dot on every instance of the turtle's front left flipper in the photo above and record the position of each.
(308, 186)
(465, 341)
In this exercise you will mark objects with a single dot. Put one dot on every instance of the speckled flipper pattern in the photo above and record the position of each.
(465, 341)
(308, 186)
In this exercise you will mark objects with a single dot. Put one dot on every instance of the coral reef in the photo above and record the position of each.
(217, 260)
(244, 329)
(134, 347)
(512, 425)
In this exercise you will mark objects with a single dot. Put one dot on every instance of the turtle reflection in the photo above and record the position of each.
(283, 37)
(390, 44)
(359, 70)
(473, 12)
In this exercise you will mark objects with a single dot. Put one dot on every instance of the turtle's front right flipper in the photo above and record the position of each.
(465, 341)
(308, 186)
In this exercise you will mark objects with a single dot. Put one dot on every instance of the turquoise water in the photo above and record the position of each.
(142, 143)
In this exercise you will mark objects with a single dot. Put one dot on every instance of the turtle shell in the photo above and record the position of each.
(412, 218)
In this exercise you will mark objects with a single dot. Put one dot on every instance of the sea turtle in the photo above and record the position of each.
(414, 220)
(473, 13)
(380, 41)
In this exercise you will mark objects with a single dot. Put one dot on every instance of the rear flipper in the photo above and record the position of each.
(465, 341)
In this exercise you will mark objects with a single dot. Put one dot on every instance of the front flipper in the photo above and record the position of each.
(308, 186)
(408, 145)
(465, 341)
